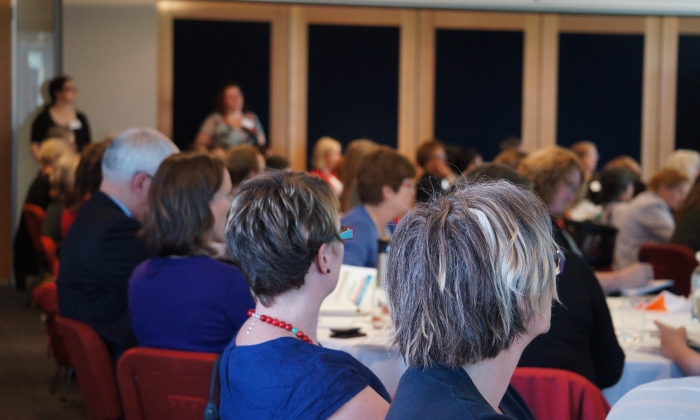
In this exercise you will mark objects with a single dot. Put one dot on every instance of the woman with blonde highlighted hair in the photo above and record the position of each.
(470, 282)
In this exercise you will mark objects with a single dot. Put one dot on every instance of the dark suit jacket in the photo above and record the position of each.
(97, 258)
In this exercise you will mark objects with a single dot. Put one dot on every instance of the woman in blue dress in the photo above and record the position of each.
(284, 233)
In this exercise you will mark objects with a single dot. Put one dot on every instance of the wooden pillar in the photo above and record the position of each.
(5, 140)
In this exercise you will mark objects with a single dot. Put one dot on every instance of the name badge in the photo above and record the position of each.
(75, 125)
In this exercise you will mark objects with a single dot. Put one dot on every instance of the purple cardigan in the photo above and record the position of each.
(192, 304)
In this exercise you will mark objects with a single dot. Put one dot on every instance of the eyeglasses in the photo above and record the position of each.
(346, 233)
(559, 260)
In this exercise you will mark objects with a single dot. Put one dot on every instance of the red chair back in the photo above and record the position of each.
(34, 218)
(671, 261)
(93, 368)
(164, 384)
(49, 246)
(555, 394)
(46, 298)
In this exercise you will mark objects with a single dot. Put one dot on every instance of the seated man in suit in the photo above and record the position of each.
(102, 247)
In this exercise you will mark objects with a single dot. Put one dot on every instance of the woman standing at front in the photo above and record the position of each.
(231, 123)
(60, 113)
(283, 232)
(470, 282)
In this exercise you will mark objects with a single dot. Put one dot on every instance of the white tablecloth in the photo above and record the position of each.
(643, 361)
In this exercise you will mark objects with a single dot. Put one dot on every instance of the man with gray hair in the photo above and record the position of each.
(102, 248)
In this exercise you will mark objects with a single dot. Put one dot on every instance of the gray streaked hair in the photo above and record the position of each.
(467, 271)
(136, 150)
(277, 223)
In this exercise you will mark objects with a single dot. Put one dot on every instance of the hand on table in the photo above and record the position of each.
(672, 339)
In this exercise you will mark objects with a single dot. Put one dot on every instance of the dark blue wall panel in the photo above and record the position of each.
(478, 88)
(206, 55)
(600, 93)
(353, 83)
(688, 97)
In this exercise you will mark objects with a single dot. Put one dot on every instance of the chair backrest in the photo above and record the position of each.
(49, 246)
(596, 241)
(46, 298)
(670, 261)
(164, 384)
(555, 394)
(93, 367)
(34, 218)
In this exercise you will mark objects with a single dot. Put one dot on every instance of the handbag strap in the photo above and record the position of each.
(211, 412)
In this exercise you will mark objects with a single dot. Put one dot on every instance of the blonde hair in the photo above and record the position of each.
(323, 146)
(687, 161)
(52, 149)
(466, 273)
(548, 167)
(62, 177)
(667, 177)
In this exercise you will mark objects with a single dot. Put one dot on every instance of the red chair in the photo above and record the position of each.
(164, 384)
(45, 246)
(46, 298)
(555, 394)
(93, 368)
(671, 261)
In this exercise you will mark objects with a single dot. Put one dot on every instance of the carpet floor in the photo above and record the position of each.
(26, 371)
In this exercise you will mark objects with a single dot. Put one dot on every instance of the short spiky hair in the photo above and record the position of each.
(467, 271)
(277, 223)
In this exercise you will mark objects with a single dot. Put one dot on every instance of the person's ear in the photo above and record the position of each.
(140, 183)
(321, 261)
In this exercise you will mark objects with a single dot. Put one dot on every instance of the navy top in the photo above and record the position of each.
(443, 393)
(191, 304)
(362, 250)
(287, 378)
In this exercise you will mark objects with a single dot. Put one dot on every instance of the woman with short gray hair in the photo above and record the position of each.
(283, 231)
(470, 282)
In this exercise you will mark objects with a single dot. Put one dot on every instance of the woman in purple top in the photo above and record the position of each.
(183, 299)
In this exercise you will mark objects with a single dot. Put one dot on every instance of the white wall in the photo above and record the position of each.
(110, 50)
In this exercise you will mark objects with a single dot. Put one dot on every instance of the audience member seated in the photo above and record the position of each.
(25, 258)
(616, 189)
(437, 176)
(279, 163)
(284, 233)
(354, 154)
(102, 247)
(88, 177)
(674, 345)
(686, 161)
(60, 113)
(687, 231)
(510, 157)
(560, 186)
(230, 124)
(62, 180)
(471, 276)
(325, 159)
(649, 217)
(183, 299)
(632, 166)
(243, 162)
(386, 186)
(461, 160)
(675, 399)
(582, 338)
(587, 153)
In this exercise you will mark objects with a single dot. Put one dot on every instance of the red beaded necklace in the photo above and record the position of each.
(277, 323)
